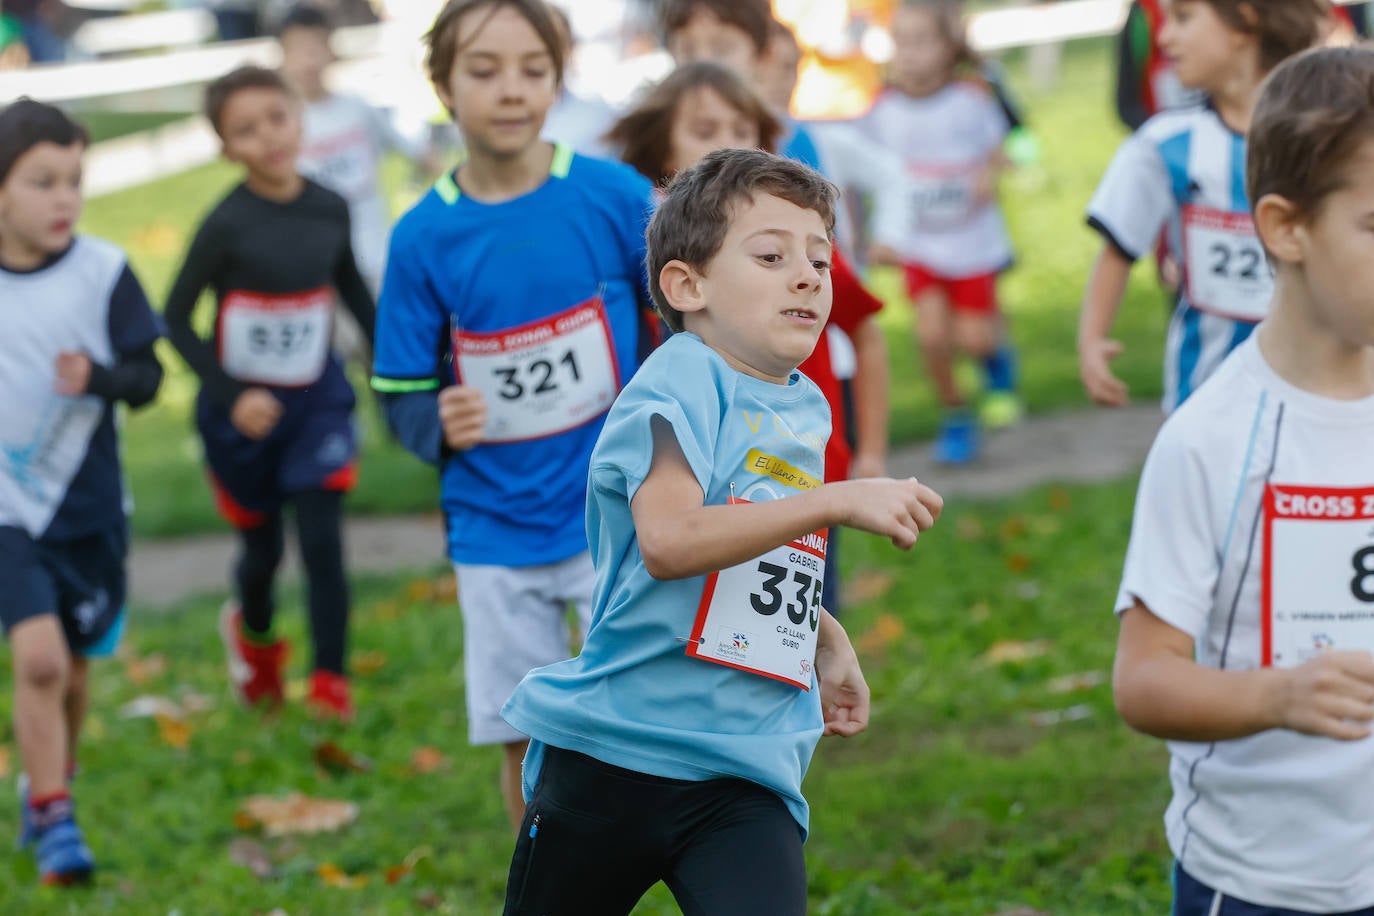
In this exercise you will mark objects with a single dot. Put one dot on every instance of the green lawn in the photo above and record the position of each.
(1044, 204)
(967, 796)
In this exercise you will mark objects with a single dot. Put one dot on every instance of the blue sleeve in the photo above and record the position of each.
(133, 325)
(414, 420)
(412, 336)
(801, 147)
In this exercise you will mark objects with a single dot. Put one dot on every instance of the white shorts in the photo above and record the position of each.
(515, 620)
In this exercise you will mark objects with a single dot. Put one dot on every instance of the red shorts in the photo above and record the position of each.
(967, 294)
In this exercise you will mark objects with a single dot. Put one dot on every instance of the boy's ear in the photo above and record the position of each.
(445, 96)
(1281, 227)
(682, 286)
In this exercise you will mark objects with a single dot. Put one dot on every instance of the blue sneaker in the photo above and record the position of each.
(958, 440)
(28, 830)
(63, 856)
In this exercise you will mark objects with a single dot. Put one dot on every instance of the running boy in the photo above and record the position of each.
(77, 337)
(1186, 169)
(275, 410)
(671, 749)
(1247, 601)
(510, 319)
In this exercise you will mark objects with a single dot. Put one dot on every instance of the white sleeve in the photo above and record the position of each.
(1134, 198)
(853, 161)
(1171, 563)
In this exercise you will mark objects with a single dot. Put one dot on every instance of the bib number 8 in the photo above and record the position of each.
(1247, 258)
(1363, 564)
(808, 603)
(538, 377)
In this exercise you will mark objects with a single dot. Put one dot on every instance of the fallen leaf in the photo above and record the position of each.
(252, 856)
(1071, 683)
(4, 761)
(980, 612)
(297, 813)
(1014, 651)
(429, 899)
(174, 732)
(868, 585)
(1018, 563)
(244, 822)
(149, 707)
(365, 663)
(444, 588)
(334, 876)
(1013, 528)
(141, 670)
(969, 528)
(160, 239)
(196, 702)
(1060, 500)
(428, 760)
(396, 873)
(388, 611)
(1056, 716)
(334, 759)
(243, 757)
(886, 630)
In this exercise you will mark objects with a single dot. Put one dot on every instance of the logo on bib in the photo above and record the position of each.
(733, 644)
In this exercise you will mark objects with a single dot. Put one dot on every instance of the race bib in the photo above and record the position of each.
(762, 616)
(1317, 590)
(941, 196)
(542, 378)
(278, 340)
(1226, 270)
(344, 163)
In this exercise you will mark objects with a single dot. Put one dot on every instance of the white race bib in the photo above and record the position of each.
(542, 378)
(1226, 270)
(941, 195)
(1317, 590)
(344, 163)
(278, 340)
(762, 616)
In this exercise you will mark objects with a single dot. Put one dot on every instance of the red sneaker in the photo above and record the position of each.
(330, 697)
(255, 671)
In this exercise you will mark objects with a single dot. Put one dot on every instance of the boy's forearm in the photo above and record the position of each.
(134, 379)
(1177, 699)
(1102, 299)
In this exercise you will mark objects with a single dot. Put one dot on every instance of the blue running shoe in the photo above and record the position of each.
(63, 856)
(28, 830)
(958, 439)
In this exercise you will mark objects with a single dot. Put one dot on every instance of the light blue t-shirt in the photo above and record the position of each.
(634, 698)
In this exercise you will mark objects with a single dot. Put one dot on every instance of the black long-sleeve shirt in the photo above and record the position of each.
(267, 260)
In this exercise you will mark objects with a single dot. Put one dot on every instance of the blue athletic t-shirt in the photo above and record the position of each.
(495, 273)
(633, 697)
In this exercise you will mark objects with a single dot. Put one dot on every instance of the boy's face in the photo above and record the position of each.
(763, 300)
(305, 55)
(503, 82)
(261, 130)
(703, 123)
(40, 200)
(1337, 254)
(1201, 46)
(705, 36)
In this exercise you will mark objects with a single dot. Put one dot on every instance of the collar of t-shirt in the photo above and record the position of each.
(1358, 411)
(43, 265)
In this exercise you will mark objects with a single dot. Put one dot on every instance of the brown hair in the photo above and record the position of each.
(691, 223)
(1283, 27)
(1314, 113)
(218, 93)
(25, 123)
(753, 17)
(441, 41)
(645, 135)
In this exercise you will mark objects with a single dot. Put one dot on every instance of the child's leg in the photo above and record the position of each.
(933, 329)
(319, 525)
(75, 704)
(512, 791)
(42, 673)
(976, 333)
(743, 831)
(260, 553)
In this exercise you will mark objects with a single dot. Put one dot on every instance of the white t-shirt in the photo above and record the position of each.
(946, 140)
(581, 122)
(1279, 819)
(342, 148)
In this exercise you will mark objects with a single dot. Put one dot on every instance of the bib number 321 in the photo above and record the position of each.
(763, 616)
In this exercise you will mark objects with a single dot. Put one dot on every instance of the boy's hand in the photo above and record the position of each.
(73, 373)
(463, 416)
(844, 693)
(1331, 695)
(1094, 358)
(896, 509)
(256, 413)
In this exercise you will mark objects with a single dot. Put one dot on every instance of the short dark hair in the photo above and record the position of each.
(304, 16)
(218, 93)
(753, 17)
(441, 41)
(26, 123)
(1314, 112)
(644, 136)
(1283, 27)
(694, 217)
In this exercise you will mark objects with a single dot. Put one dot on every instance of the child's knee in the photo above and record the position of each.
(42, 667)
(976, 336)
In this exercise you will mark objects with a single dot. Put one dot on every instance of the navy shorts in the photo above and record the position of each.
(1193, 898)
(82, 581)
(311, 448)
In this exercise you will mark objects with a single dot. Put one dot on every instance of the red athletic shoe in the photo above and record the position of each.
(255, 671)
(330, 697)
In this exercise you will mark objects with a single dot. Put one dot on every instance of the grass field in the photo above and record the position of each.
(995, 774)
(1044, 203)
